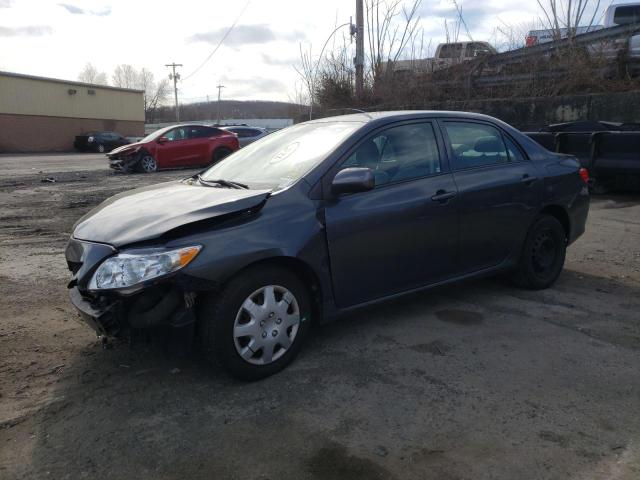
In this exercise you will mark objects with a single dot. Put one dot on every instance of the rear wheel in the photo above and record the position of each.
(256, 325)
(219, 154)
(543, 254)
(147, 163)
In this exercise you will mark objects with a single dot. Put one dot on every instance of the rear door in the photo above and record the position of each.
(499, 191)
(200, 143)
(403, 234)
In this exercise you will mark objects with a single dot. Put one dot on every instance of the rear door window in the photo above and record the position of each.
(243, 132)
(201, 132)
(475, 145)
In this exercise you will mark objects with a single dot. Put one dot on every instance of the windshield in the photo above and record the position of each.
(156, 134)
(280, 159)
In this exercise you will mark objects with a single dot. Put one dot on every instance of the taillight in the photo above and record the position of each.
(584, 174)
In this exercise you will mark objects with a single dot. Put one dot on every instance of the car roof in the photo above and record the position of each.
(228, 127)
(381, 117)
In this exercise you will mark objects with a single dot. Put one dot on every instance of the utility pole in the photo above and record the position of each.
(219, 87)
(359, 60)
(175, 77)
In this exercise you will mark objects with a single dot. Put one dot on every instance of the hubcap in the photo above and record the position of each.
(543, 252)
(266, 325)
(148, 164)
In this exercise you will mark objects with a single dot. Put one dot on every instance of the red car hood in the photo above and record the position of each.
(125, 148)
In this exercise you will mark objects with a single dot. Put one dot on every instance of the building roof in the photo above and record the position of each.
(68, 82)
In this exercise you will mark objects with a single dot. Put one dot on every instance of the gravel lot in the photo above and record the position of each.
(475, 381)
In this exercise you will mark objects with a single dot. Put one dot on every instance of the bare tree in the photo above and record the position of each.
(155, 93)
(568, 15)
(507, 37)
(90, 74)
(125, 76)
(391, 27)
(307, 72)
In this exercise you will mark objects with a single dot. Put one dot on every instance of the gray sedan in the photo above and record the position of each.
(247, 135)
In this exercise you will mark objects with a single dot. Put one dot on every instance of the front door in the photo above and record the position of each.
(498, 192)
(175, 152)
(403, 234)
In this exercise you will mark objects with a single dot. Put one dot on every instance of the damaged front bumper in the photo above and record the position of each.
(115, 316)
(167, 301)
(123, 162)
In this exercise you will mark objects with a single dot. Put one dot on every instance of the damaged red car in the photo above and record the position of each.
(178, 146)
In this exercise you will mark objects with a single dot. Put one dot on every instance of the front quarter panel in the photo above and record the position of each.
(287, 226)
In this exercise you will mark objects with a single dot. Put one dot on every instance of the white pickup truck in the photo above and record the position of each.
(625, 14)
(447, 54)
(615, 15)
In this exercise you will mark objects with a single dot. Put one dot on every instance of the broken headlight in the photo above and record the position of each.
(135, 266)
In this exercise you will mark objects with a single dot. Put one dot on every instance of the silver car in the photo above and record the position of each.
(247, 135)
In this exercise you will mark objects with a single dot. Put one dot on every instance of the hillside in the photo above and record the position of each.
(230, 109)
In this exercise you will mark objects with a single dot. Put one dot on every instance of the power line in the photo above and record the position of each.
(219, 43)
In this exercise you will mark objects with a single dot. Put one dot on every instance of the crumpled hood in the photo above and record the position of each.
(124, 148)
(147, 213)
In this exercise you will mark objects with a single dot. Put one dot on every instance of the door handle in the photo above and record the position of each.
(443, 196)
(528, 179)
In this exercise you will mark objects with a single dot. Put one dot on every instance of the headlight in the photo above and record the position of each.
(90, 139)
(129, 268)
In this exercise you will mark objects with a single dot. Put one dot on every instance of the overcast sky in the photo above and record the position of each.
(56, 39)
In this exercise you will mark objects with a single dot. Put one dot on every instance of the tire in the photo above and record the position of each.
(219, 154)
(147, 164)
(224, 318)
(101, 148)
(543, 254)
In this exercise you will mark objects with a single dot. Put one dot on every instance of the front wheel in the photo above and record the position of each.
(147, 164)
(543, 254)
(101, 148)
(256, 325)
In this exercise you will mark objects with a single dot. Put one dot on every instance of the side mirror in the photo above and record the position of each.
(162, 140)
(353, 180)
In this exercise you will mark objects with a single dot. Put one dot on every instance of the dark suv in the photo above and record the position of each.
(99, 141)
(319, 219)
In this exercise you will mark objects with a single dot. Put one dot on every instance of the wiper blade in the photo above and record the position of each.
(224, 183)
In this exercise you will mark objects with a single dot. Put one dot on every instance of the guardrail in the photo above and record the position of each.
(492, 71)
(605, 34)
(606, 154)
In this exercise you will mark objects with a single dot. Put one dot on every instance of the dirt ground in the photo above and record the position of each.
(475, 381)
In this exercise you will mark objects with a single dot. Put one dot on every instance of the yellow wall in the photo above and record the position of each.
(34, 96)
